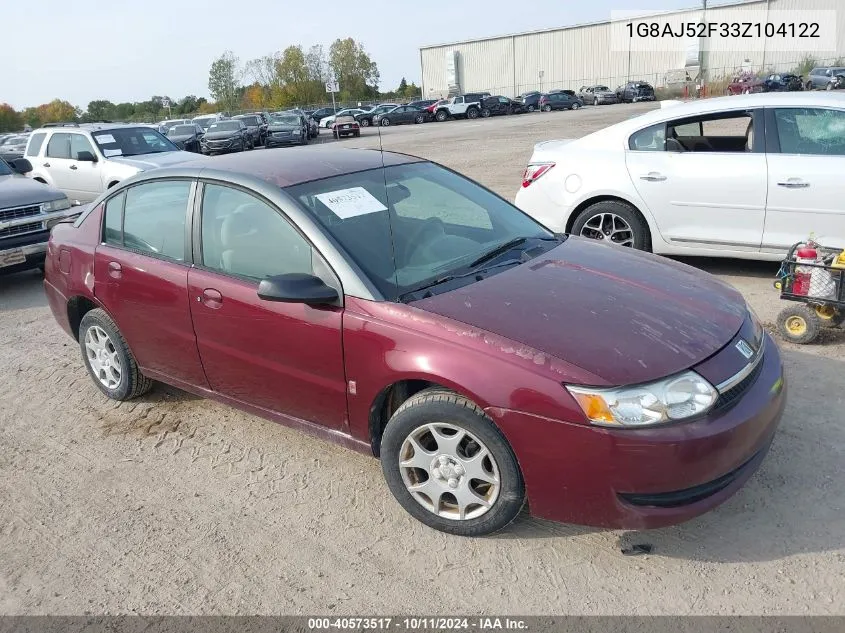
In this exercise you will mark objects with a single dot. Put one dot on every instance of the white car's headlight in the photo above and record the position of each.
(55, 205)
(675, 398)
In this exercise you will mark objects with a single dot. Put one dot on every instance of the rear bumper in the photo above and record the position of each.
(646, 478)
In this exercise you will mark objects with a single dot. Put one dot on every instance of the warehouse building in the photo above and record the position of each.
(607, 53)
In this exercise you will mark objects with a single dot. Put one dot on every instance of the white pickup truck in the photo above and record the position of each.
(467, 105)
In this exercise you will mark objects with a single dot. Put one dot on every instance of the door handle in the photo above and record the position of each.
(211, 298)
(115, 270)
(794, 183)
(73, 167)
(46, 165)
(653, 176)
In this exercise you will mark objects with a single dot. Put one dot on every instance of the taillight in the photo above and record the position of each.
(534, 171)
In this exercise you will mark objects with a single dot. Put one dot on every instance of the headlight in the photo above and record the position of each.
(668, 400)
(55, 205)
(297, 132)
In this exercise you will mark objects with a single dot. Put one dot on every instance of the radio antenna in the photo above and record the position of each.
(387, 204)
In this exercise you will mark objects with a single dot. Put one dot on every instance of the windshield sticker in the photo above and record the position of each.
(352, 202)
(108, 153)
(104, 138)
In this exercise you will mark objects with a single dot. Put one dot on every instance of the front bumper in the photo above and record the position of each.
(276, 141)
(32, 247)
(647, 478)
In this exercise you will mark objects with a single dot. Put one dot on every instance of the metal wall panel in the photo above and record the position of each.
(583, 55)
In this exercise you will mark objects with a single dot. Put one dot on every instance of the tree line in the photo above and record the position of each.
(292, 77)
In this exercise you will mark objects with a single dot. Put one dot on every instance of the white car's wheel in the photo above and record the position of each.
(615, 222)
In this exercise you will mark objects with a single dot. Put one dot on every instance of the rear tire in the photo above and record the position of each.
(590, 217)
(365, 123)
(485, 113)
(547, 108)
(132, 383)
(385, 122)
(444, 410)
(595, 101)
(472, 113)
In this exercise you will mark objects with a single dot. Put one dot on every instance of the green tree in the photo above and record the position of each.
(100, 110)
(356, 73)
(32, 117)
(10, 121)
(403, 86)
(223, 80)
(187, 105)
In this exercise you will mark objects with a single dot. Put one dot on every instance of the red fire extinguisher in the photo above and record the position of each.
(806, 254)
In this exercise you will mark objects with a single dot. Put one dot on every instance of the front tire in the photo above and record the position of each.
(531, 108)
(547, 108)
(485, 113)
(441, 116)
(576, 106)
(109, 360)
(365, 123)
(420, 119)
(615, 222)
(595, 101)
(472, 113)
(385, 122)
(449, 467)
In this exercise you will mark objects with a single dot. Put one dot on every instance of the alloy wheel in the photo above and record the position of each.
(103, 357)
(609, 226)
(449, 471)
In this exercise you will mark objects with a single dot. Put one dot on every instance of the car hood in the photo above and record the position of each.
(622, 315)
(180, 139)
(151, 161)
(18, 191)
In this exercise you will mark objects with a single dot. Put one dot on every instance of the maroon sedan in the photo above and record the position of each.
(389, 304)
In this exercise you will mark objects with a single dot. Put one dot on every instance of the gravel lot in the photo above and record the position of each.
(171, 504)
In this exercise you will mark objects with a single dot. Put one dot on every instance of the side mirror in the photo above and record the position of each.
(297, 288)
(86, 157)
(21, 165)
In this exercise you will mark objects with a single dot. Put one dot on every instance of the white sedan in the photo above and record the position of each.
(328, 121)
(743, 176)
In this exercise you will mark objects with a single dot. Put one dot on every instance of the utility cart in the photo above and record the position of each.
(812, 277)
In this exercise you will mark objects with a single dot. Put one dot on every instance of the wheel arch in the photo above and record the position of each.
(392, 396)
(77, 307)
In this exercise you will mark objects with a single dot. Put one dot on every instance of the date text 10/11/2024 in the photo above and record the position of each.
(417, 623)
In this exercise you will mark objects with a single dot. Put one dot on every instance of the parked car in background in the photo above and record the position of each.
(400, 115)
(205, 120)
(745, 176)
(313, 127)
(596, 95)
(328, 121)
(227, 136)
(287, 129)
(634, 91)
(500, 105)
(86, 159)
(187, 137)
(825, 78)
(433, 107)
(787, 82)
(13, 147)
(422, 103)
(346, 125)
(365, 119)
(255, 126)
(315, 273)
(559, 101)
(466, 106)
(319, 115)
(744, 83)
(530, 100)
(28, 210)
(164, 126)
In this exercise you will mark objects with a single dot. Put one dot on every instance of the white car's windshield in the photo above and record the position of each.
(409, 225)
(132, 141)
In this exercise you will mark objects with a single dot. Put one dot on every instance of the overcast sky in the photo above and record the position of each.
(102, 49)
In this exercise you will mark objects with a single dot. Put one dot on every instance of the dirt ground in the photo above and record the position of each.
(176, 505)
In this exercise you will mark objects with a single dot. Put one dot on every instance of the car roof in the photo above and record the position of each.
(91, 127)
(283, 168)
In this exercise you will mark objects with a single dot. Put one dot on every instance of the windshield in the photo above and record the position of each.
(250, 120)
(285, 119)
(5, 170)
(602, 88)
(225, 126)
(181, 130)
(132, 141)
(440, 223)
(15, 140)
(204, 123)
